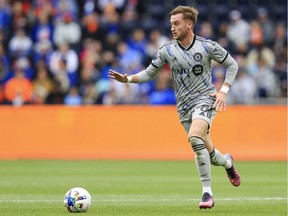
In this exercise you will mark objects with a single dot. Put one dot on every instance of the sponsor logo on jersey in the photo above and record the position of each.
(182, 70)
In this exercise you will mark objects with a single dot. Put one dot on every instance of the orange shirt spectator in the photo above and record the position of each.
(42, 86)
(18, 86)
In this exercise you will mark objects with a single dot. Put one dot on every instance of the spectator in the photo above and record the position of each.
(281, 72)
(43, 28)
(111, 19)
(20, 44)
(67, 31)
(90, 56)
(111, 42)
(64, 64)
(92, 27)
(238, 32)
(280, 40)
(89, 6)
(156, 40)
(4, 64)
(163, 93)
(45, 6)
(42, 85)
(119, 5)
(5, 18)
(121, 94)
(218, 75)
(253, 56)
(89, 94)
(43, 51)
(56, 96)
(20, 16)
(103, 85)
(73, 98)
(138, 41)
(256, 37)
(66, 7)
(3, 41)
(128, 22)
(266, 25)
(267, 82)
(244, 89)
(221, 36)
(206, 30)
(24, 64)
(18, 90)
(127, 55)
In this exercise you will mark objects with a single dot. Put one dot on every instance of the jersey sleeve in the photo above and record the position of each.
(217, 53)
(159, 60)
(156, 64)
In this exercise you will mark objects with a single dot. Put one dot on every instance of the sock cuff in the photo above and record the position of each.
(197, 143)
(198, 147)
(212, 154)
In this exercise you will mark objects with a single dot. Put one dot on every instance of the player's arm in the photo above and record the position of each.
(120, 77)
(221, 55)
(232, 68)
(143, 76)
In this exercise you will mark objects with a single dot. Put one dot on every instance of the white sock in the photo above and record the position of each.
(207, 189)
(228, 164)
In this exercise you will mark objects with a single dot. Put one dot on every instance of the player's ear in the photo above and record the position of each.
(190, 24)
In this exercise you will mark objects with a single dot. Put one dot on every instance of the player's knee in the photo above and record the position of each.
(195, 140)
(197, 143)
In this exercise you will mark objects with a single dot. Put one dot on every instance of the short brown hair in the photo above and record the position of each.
(189, 13)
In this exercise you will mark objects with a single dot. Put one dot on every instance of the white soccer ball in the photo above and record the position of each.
(77, 199)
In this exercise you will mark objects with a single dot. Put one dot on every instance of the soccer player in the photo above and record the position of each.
(189, 58)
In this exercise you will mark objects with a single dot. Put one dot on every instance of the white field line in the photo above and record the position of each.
(148, 200)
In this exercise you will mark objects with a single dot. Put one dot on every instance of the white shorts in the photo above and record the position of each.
(203, 109)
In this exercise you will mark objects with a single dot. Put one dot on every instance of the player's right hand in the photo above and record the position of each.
(220, 101)
(118, 76)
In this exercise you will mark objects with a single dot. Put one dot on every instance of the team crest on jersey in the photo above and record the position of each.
(197, 69)
(197, 57)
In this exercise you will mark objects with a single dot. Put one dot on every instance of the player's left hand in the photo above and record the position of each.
(118, 76)
(220, 102)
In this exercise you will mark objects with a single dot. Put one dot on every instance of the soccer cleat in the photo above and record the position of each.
(232, 173)
(207, 201)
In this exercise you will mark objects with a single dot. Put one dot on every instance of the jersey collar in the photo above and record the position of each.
(189, 47)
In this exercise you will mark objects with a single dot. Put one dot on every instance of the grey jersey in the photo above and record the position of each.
(191, 69)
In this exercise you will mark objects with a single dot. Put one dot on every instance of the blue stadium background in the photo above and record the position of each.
(60, 51)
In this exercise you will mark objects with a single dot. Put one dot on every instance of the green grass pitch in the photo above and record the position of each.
(158, 188)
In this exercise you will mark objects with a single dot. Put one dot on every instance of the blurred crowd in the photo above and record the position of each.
(60, 51)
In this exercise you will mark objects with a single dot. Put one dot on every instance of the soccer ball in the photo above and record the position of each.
(77, 199)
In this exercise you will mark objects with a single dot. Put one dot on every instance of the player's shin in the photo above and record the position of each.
(218, 159)
(202, 161)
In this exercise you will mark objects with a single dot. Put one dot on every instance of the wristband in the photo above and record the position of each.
(224, 89)
(129, 79)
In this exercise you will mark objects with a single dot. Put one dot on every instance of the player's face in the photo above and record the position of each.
(180, 27)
